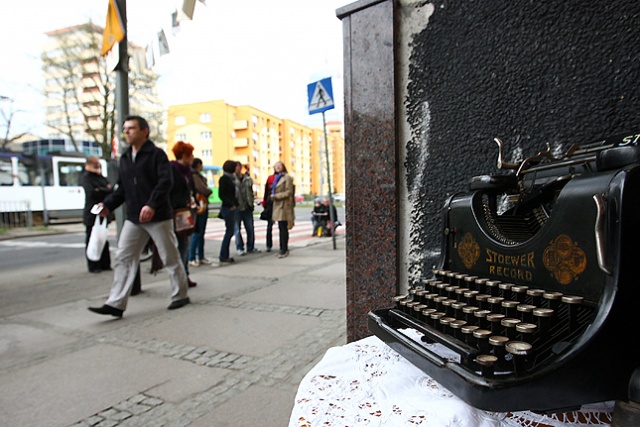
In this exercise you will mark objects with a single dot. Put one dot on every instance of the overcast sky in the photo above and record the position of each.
(261, 53)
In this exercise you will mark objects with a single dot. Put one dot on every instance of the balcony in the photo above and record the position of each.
(240, 142)
(240, 124)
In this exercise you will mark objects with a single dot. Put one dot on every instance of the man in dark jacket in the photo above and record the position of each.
(144, 182)
(96, 188)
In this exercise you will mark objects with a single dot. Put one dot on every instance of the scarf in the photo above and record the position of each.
(275, 182)
(182, 170)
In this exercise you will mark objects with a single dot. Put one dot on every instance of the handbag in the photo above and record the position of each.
(97, 239)
(266, 213)
(183, 221)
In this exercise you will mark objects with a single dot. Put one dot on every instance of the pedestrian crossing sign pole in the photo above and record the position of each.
(320, 95)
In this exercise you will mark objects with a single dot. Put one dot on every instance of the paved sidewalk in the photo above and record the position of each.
(234, 357)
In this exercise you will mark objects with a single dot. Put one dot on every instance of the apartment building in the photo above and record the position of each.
(79, 87)
(219, 132)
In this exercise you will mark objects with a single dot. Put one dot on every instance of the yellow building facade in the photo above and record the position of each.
(219, 132)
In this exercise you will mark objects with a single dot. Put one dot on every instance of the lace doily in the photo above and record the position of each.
(366, 383)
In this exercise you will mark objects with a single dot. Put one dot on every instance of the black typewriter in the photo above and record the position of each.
(535, 299)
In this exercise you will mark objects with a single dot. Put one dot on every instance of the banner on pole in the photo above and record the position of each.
(113, 28)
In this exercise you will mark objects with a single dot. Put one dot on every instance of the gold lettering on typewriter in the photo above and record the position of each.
(564, 259)
(517, 267)
(469, 250)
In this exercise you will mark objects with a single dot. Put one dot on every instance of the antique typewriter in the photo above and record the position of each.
(535, 298)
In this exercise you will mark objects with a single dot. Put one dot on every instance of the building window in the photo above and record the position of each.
(180, 120)
(205, 118)
(254, 120)
(205, 136)
(206, 153)
(181, 137)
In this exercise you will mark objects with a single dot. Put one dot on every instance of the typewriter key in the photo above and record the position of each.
(481, 301)
(505, 290)
(467, 334)
(451, 277)
(468, 313)
(397, 299)
(497, 343)
(446, 306)
(457, 309)
(543, 318)
(460, 294)
(426, 314)
(491, 287)
(509, 325)
(551, 300)
(573, 304)
(470, 297)
(481, 318)
(450, 291)
(494, 320)
(509, 308)
(456, 326)
(534, 297)
(525, 312)
(460, 279)
(519, 293)
(486, 362)
(495, 304)
(444, 324)
(520, 350)
(526, 331)
(435, 317)
(481, 284)
(482, 340)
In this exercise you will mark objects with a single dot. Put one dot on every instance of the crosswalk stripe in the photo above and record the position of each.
(299, 235)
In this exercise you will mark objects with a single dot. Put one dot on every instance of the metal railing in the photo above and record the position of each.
(15, 214)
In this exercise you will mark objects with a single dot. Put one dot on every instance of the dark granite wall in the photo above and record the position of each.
(527, 71)
(371, 163)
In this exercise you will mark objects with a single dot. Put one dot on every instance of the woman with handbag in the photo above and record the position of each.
(267, 205)
(283, 204)
(227, 193)
(196, 250)
(182, 199)
(96, 188)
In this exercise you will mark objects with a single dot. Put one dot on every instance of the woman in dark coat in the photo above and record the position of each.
(227, 193)
(182, 194)
(96, 188)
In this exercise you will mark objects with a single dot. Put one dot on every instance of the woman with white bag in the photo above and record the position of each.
(96, 188)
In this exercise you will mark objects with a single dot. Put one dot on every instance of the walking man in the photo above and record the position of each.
(144, 182)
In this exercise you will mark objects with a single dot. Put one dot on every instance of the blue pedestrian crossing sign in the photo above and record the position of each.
(320, 96)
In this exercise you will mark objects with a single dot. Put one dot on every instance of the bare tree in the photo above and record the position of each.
(7, 119)
(80, 90)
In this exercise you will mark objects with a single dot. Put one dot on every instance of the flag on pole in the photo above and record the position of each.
(113, 29)
(188, 7)
(163, 44)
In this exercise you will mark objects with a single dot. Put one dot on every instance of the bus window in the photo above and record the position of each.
(6, 175)
(29, 175)
(70, 174)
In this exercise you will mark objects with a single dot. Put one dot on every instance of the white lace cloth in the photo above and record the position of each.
(366, 383)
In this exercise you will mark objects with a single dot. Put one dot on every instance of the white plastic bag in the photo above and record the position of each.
(98, 239)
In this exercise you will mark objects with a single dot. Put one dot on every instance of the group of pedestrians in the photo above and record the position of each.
(152, 190)
(236, 194)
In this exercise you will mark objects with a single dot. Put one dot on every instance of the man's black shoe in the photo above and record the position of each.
(179, 303)
(227, 260)
(107, 309)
